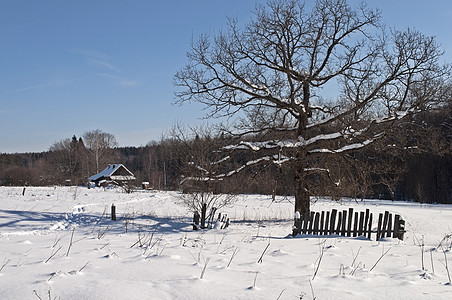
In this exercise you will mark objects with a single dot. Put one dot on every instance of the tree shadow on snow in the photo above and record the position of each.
(163, 224)
(22, 220)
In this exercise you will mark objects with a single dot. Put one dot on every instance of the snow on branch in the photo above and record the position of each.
(397, 115)
(249, 163)
(202, 169)
(323, 137)
(221, 160)
(256, 146)
(196, 178)
(282, 160)
(276, 159)
(316, 169)
(344, 148)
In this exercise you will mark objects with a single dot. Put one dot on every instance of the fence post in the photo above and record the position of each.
(196, 220)
(203, 215)
(113, 212)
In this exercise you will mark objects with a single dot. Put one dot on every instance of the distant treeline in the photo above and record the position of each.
(419, 170)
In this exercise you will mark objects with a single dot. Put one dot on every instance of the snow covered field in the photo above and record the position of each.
(151, 252)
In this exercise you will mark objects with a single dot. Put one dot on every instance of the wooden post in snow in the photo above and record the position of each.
(203, 215)
(196, 218)
(113, 212)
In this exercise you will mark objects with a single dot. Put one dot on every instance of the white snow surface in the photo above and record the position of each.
(151, 251)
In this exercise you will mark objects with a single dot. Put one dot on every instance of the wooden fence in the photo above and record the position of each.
(349, 223)
(203, 221)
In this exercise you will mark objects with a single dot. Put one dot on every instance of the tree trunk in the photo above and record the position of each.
(302, 201)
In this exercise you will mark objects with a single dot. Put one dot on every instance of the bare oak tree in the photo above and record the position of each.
(276, 73)
(99, 145)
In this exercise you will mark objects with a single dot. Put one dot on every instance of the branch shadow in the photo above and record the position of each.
(23, 222)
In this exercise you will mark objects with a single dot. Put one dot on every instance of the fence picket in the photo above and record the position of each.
(361, 223)
(385, 224)
(349, 225)
(322, 223)
(395, 233)
(389, 230)
(344, 222)
(355, 226)
(327, 222)
(333, 220)
(366, 222)
(316, 224)
(380, 222)
(339, 223)
(369, 229)
(311, 221)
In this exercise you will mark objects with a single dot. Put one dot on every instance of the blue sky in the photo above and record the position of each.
(67, 67)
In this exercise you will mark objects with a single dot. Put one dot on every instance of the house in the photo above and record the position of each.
(116, 174)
